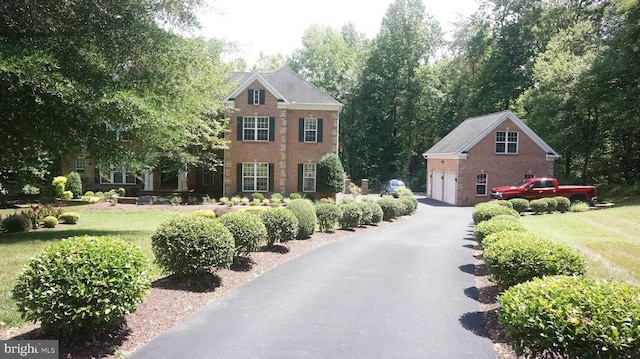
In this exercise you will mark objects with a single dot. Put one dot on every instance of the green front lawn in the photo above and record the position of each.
(609, 239)
(17, 249)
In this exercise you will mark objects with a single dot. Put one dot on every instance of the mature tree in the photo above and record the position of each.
(269, 63)
(67, 69)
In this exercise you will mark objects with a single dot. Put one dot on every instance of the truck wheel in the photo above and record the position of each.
(578, 198)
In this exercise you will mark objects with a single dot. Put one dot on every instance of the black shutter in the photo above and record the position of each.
(250, 96)
(240, 130)
(300, 176)
(301, 130)
(239, 176)
(319, 130)
(272, 129)
(271, 177)
(262, 97)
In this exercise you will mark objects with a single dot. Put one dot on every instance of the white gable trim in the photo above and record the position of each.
(255, 77)
(444, 156)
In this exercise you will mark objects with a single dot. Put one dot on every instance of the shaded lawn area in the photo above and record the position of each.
(609, 239)
(16, 249)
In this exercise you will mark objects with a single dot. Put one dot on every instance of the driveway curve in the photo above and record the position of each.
(398, 292)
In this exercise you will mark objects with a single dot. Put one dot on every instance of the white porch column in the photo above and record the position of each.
(182, 181)
(148, 180)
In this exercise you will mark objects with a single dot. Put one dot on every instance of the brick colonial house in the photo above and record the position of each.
(484, 152)
(280, 127)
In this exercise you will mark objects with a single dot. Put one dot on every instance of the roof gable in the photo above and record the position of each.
(474, 129)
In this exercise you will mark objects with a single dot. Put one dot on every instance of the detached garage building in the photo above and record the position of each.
(484, 152)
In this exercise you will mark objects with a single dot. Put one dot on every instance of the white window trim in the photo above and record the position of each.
(80, 168)
(254, 177)
(125, 175)
(311, 121)
(305, 177)
(506, 142)
(121, 133)
(485, 184)
(255, 129)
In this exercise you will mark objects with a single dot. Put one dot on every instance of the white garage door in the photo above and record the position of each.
(450, 187)
(437, 185)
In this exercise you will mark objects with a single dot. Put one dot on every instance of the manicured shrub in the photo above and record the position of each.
(520, 205)
(572, 317)
(486, 210)
(304, 210)
(539, 206)
(404, 192)
(82, 286)
(409, 204)
(190, 246)
(67, 195)
(579, 207)
(562, 204)
(519, 259)
(295, 196)
(247, 229)
(551, 204)
(59, 184)
(50, 222)
(74, 184)
(206, 213)
(351, 215)
(89, 194)
(277, 196)
(330, 174)
(16, 223)
(328, 214)
(390, 208)
(505, 203)
(257, 195)
(495, 224)
(69, 217)
(281, 224)
(367, 213)
(515, 234)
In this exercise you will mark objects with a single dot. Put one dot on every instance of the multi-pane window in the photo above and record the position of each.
(256, 96)
(310, 130)
(481, 184)
(506, 142)
(529, 175)
(118, 176)
(309, 177)
(121, 133)
(80, 165)
(255, 177)
(255, 129)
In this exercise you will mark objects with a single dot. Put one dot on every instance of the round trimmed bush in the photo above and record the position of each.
(505, 203)
(295, 196)
(83, 286)
(16, 223)
(376, 211)
(257, 196)
(328, 214)
(572, 317)
(520, 205)
(281, 224)
(304, 210)
(409, 205)
(552, 203)
(495, 224)
(562, 204)
(486, 210)
(351, 215)
(206, 213)
(514, 260)
(367, 213)
(497, 236)
(390, 208)
(69, 217)
(249, 233)
(539, 206)
(190, 246)
(67, 195)
(50, 222)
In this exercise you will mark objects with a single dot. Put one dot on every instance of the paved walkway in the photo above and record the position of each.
(397, 292)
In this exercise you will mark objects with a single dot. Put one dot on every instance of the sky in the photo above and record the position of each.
(277, 26)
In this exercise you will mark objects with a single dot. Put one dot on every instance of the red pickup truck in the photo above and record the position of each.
(534, 188)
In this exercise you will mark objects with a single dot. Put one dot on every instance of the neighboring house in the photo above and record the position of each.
(483, 152)
(280, 127)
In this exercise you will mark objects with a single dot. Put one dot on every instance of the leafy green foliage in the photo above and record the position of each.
(552, 203)
(59, 184)
(376, 211)
(351, 215)
(282, 225)
(304, 210)
(249, 233)
(206, 213)
(74, 184)
(520, 205)
(93, 282)
(574, 317)
(328, 214)
(539, 206)
(486, 210)
(16, 223)
(69, 217)
(390, 208)
(579, 207)
(562, 204)
(330, 176)
(409, 205)
(50, 222)
(190, 246)
(517, 259)
(496, 224)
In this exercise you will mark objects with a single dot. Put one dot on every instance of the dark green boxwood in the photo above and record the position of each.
(486, 210)
(367, 213)
(249, 233)
(257, 196)
(351, 215)
(304, 210)
(516, 260)
(539, 206)
(16, 223)
(82, 286)
(190, 246)
(552, 203)
(69, 217)
(496, 224)
(562, 204)
(520, 205)
(74, 184)
(295, 196)
(328, 214)
(281, 224)
(572, 317)
(390, 208)
(50, 222)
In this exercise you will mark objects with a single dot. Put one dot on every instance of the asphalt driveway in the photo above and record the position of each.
(397, 292)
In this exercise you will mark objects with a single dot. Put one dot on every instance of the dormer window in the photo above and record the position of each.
(256, 96)
(507, 142)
